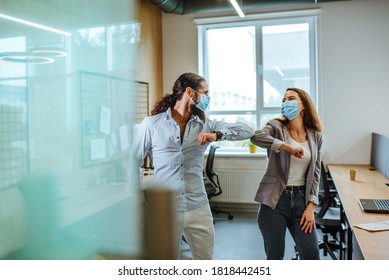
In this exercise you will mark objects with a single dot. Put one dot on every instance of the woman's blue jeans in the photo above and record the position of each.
(287, 214)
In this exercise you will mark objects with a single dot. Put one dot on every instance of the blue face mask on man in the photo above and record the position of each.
(290, 109)
(204, 101)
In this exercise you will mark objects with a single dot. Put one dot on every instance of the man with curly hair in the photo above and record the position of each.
(176, 136)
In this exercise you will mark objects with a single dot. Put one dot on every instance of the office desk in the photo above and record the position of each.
(368, 184)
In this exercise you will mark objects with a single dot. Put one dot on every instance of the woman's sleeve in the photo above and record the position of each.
(314, 195)
(266, 137)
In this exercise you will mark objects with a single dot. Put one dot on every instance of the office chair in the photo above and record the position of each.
(323, 192)
(328, 219)
(213, 187)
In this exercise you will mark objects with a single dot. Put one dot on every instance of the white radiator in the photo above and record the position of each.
(239, 186)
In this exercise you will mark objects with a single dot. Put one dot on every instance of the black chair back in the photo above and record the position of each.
(326, 200)
(328, 220)
(211, 157)
(213, 188)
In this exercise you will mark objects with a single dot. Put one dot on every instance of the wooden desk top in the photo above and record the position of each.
(368, 184)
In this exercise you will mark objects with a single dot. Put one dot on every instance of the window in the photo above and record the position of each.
(249, 65)
(106, 42)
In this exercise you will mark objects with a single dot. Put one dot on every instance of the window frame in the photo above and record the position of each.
(259, 21)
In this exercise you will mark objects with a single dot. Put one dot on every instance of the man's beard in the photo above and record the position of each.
(197, 112)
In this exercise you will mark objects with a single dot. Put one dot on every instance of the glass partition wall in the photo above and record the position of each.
(67, 108)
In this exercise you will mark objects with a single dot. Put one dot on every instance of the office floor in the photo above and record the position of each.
(240, 239)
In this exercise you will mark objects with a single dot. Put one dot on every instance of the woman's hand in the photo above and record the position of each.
(205, 138)
(297, 151)
(307, 221)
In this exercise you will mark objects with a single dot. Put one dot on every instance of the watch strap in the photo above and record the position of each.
(218, 135)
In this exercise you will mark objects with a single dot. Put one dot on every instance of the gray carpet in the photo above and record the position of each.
(240, 239)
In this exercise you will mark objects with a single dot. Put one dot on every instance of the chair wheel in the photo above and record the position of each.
(230, 217)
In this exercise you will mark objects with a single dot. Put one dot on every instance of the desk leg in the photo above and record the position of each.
(346, 233)
(349, 243)
(342, 245)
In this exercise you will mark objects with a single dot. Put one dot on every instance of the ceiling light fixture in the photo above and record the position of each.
(237, 8)
(49, 51)
(24, 57)
(279, 71)
(34, 55)
(40, 26)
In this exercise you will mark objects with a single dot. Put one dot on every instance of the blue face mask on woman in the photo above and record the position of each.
(290, 109)
(204, 101)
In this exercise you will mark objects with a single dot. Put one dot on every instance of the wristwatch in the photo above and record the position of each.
(218, 135)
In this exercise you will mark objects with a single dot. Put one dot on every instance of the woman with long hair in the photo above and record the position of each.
(288, 191)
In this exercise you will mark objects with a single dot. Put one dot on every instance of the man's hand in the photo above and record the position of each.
(205, 138)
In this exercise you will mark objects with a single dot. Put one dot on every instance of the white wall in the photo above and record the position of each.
(353, 60)
(353, 68)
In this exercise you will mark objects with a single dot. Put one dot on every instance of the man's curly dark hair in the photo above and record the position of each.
(188, 79)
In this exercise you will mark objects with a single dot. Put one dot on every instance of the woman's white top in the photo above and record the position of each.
(298, 166)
